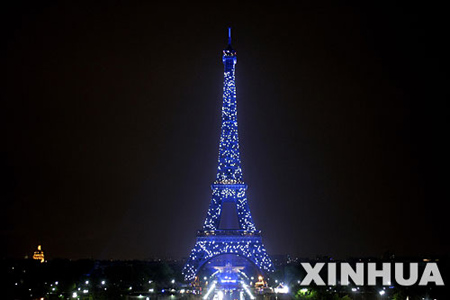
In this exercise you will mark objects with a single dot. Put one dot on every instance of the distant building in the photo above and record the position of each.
(39, 254)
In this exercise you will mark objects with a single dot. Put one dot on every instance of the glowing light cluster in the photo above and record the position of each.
(39, 254)
(228, 187)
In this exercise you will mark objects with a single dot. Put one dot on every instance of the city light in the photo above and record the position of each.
(39, 254)
(303, 291)
(282, 289)
(211, 288)
(247, 290)
(220, 295)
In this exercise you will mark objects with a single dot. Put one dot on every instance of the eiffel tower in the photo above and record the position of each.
(229, 227)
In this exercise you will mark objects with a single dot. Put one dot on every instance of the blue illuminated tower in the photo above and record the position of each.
(218, 236)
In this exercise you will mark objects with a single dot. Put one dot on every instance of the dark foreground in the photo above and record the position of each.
(91, 279)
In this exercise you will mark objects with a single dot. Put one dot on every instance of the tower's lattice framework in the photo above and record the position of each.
(213, 240)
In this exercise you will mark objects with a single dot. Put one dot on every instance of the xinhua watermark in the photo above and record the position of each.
(404, 274)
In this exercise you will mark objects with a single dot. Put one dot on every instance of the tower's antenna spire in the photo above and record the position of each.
(229, 35)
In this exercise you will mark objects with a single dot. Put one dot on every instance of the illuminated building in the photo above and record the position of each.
(39, 254)
(228, 191)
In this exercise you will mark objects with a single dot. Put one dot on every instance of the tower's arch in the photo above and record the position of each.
(249, 247)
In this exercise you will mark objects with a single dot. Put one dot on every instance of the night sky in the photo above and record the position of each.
(110, 119)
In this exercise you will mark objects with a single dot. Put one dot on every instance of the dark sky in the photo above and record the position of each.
(110, 119)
